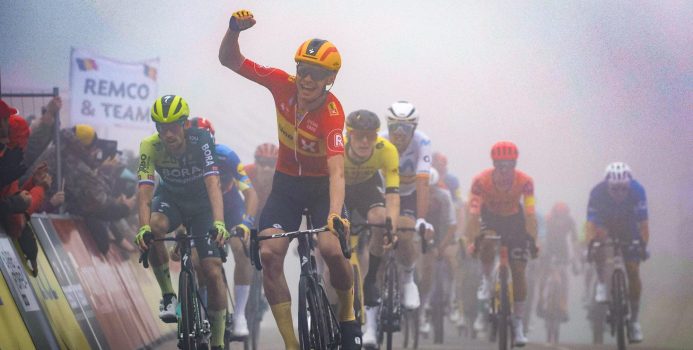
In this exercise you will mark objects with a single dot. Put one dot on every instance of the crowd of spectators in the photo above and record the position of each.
(96, 183)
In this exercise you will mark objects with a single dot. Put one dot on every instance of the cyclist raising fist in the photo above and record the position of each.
(309, 172)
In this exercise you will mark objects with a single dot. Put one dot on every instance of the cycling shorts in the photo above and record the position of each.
(234, 208)
(364, 196)
(290, 196)
(512, 231)
(407, 205)
(195, 215)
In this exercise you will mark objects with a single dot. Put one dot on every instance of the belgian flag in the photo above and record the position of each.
(86, 64)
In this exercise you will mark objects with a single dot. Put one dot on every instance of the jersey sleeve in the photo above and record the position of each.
(476, 197)
(390, 167)
(333, 128)
(423, 166)
(528, 196)
(145, 171)
(594, 214)
(211, 163)
(265, 76)
(640, 201)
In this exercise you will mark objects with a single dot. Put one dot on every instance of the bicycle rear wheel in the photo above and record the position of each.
(619, 307)
(553, 311)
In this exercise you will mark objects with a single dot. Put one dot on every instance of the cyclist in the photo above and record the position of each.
(261, 172)
(495, 209)
(618, 207)
(560, 248)
(442, 215)
(310, 169)
(189, 193)
(414, 149)
(366, 154)
(451, 183)
(239, 212)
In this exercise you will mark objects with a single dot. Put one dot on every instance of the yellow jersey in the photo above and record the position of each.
(384, 158)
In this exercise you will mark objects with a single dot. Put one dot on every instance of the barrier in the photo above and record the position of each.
(11, 322)
(81, 299)
(23, 295)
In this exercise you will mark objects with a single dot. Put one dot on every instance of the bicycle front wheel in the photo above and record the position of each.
(619, 307)
(504, 313)
(311, 330)
(189, 313)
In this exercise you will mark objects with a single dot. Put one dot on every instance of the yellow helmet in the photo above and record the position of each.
(85, 134)
(170, 109)
(320, 52)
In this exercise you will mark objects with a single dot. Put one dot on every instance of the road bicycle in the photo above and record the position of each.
(618, 311)
(317, 322)
(194, 329)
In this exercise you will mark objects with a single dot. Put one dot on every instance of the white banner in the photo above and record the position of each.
(108, 93)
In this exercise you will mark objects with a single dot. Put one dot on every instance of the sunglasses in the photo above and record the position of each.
(619, 189)
(266, 162)
(316, 73)
(406, 128)
(173, 127)
(369, 136)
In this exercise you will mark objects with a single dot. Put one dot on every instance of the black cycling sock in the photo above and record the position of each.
(373, 265)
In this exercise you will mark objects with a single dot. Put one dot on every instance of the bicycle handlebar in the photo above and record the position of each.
(255, 240)
(149, 238)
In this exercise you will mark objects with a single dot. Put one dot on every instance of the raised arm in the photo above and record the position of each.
(230, 54)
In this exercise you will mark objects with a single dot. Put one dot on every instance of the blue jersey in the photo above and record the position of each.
(231, 170)
(620, 219)
(233, 180)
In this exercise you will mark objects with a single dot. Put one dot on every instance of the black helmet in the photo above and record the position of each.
(363, 120)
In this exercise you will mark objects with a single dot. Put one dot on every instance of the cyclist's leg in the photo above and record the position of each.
(634, 287)
(280, 214)
(210, 272)
(242, 274)
(165, 216)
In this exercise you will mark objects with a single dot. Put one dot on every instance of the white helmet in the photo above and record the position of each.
(433, 177)
(618, 173)
(402, 111)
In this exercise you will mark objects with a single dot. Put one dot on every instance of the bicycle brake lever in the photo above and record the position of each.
(144, 259)
(255, 250)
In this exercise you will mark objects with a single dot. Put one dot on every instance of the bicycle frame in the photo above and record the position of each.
(500, 313)
(317, 324)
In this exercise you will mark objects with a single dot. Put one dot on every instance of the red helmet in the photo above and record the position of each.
(440, 159)
(504, 150)
(560, 209)
(202, 123)
(267, 150)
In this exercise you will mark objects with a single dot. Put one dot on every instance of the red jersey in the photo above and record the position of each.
(504, 203)
(304, 144)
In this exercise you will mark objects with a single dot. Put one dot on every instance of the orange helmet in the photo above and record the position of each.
(504, 150)
(320, 52)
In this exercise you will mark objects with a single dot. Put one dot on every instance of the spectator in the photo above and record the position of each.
(16, 203)
(42, 131)
(88, 192)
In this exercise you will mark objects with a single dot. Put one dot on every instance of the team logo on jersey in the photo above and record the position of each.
(309, 146)
(335, 141)
(332, 108)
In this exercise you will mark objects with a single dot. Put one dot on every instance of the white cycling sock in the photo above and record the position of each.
(519, 309)
(241, 292)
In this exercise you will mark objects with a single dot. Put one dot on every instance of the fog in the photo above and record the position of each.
(575, 84)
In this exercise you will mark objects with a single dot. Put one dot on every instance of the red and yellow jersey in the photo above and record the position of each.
(485, 194)
(304, 143)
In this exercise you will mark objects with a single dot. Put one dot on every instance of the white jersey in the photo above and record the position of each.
(414, 161)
